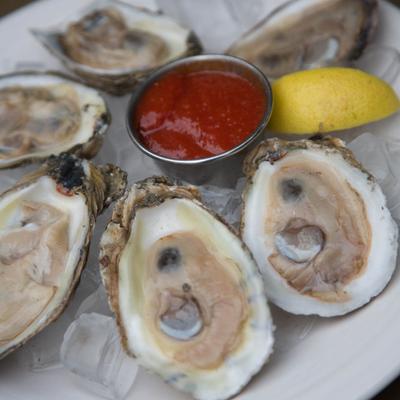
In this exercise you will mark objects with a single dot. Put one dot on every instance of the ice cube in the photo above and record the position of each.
(224, 201)
(290, 329)
(218, 23)
(95, 303)
(380, 155)
(119, 148)
(369, 149)
(91, 350)
(381, 61)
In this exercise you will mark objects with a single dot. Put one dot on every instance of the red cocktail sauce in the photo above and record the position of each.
(199, 114)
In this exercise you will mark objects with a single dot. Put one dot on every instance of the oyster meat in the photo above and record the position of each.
(187, 295)
(318, 226)
(303, 34)
(112, 44)
(43, 114)
(102, 39)
(46, 223)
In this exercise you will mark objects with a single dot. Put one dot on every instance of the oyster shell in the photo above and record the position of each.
(45, 113)
(46, 223)
(318, 226)
(304, 34)
(187, 295)
(112, 44)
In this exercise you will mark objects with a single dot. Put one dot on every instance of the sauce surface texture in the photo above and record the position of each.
(200, 114)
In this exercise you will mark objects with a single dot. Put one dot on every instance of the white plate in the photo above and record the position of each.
(340, 358)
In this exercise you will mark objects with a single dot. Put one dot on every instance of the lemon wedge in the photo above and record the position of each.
(329, 99)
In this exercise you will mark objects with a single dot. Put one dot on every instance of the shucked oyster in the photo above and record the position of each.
(102, 39)
(318, 226)
(46, 223)
(186, 292)
(112, 44)
(303, 34)
(44, 113)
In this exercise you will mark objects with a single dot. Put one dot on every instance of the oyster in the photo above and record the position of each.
(318, 226)
(46, 223)
(102, 39)
(187, 295)
(112, 44)
(45, 113)
(303, 34)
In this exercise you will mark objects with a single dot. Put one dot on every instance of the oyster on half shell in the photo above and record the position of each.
(112, 44)
(303, 34)
(45, 113)
(317, 225)
(187, 294)
(46, 224)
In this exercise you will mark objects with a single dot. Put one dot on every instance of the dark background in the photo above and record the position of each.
(392, 392)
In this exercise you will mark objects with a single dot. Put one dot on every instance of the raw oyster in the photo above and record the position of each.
(318, 226)
(46, 113)
(187, 294)
(303, 34)
(46, 223)
(102, 40)
(112, 44)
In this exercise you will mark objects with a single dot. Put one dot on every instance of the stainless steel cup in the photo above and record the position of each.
(222, 169)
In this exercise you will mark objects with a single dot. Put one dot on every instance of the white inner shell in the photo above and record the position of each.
(75, 209)
(95, 107)
(381, 260)
(148, 227)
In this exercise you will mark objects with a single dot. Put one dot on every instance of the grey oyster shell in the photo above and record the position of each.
(44, 113)
(304, 34)
(46, 225)
(120, 80)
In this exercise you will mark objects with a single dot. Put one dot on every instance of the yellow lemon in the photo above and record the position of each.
(329, 99)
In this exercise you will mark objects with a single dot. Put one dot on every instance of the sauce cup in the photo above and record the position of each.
(222, 169)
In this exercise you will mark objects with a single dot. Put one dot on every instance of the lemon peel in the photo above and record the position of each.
(329, 99)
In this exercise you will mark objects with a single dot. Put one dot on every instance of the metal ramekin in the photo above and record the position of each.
(222, 169)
